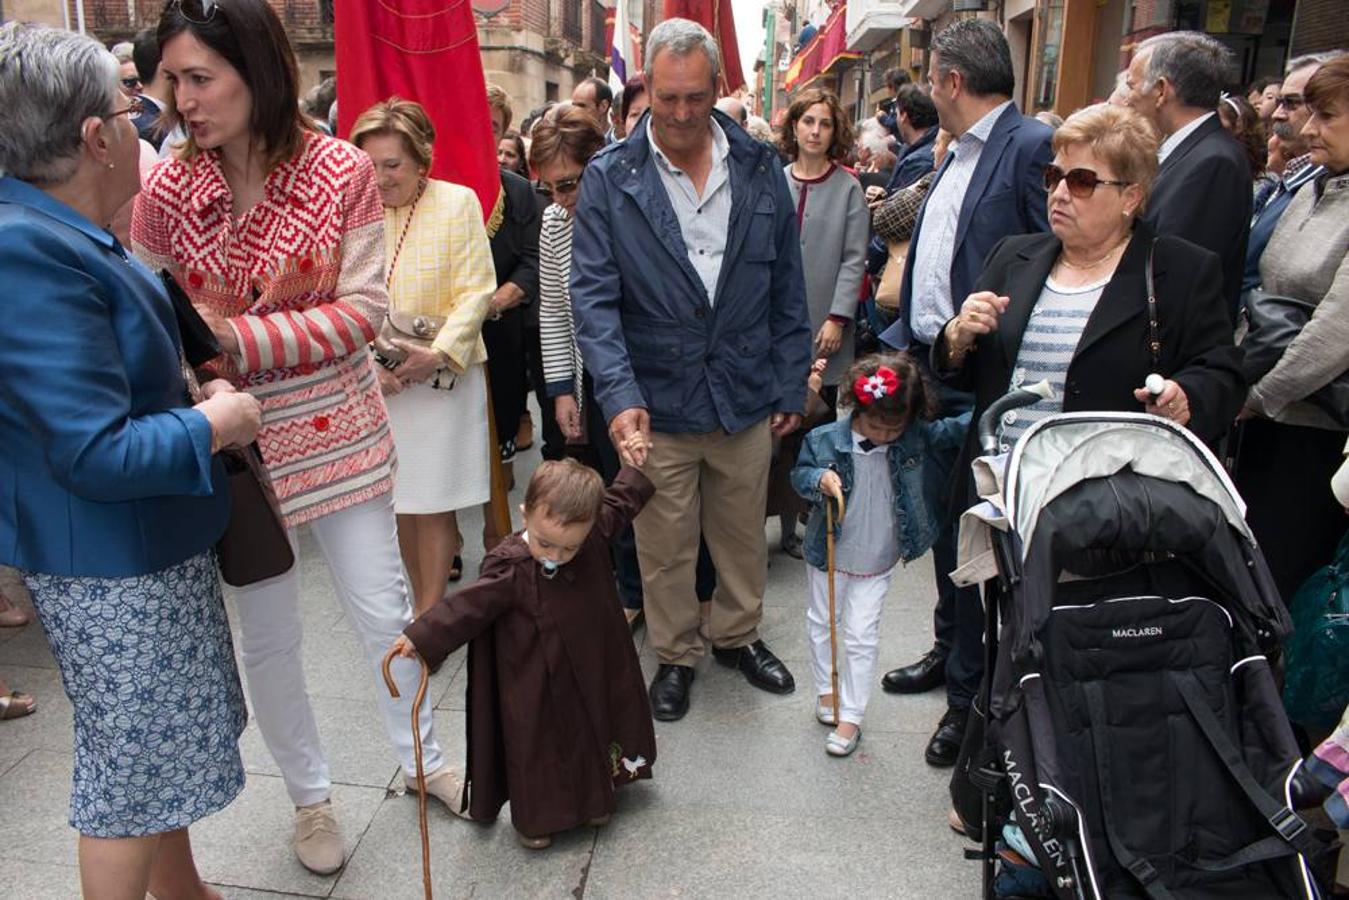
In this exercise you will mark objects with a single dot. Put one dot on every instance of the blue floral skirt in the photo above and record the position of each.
(149, 666)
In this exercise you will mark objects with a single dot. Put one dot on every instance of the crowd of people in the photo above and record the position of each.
(721, 324)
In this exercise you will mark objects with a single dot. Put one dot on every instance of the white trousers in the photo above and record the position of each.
(360, 545)
(857, 609)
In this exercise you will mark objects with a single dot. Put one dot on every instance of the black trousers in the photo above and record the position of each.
(958, 620)
(505, 340)
(554, 444)
(1283, 473)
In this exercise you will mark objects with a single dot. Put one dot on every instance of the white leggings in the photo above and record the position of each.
(857, 609)
(360, 546)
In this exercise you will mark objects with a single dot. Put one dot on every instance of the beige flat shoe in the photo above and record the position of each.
(447, 786)
(318, 839)
(837, 745)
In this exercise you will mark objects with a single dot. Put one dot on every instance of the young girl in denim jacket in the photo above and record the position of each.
(883, 460)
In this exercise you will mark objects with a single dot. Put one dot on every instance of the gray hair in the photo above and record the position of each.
(51, 80)
(681, 37)
(124, 51)
(1199, 67)
(978, 50)
(1311, 59)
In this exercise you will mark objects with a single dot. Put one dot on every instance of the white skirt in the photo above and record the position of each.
(442, 442)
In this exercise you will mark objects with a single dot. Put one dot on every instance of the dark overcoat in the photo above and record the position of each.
(558, 714)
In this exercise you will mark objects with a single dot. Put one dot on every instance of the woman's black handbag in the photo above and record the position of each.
(1273, 322)
(255, 545)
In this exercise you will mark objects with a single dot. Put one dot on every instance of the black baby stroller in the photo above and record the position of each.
(1134, 735)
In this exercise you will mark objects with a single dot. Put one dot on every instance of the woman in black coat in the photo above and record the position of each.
(1072, 306)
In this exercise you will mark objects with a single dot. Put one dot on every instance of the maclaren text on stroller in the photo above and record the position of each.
(1134, 735)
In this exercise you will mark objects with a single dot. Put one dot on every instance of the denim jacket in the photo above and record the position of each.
(916, 469)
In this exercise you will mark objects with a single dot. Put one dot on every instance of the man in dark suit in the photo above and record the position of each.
(1203, 187)
(995, 166)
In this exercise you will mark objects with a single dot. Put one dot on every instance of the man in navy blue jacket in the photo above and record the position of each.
(990, 185)
(690, 311)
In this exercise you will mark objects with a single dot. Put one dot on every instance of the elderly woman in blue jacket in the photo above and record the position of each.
(110, 493)
(886, 461)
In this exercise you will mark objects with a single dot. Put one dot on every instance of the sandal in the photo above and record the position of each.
(15, 705)
(457, 568)
(824, 713)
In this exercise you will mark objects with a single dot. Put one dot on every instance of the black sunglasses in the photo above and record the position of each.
(1290, 102)
(202, 11)
(1082, 183)
(131, 83)
(565, 186)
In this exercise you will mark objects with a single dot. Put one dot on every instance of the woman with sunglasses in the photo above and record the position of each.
(113, 493)
(1072, 306)
(276, 232)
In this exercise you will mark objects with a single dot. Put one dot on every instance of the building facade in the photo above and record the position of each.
(1065, 53)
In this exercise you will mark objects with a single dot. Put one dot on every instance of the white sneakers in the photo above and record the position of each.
(318, 838)
(447, 786)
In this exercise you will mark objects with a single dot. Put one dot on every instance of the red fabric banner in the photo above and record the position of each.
(829, 45)
(427, 51)
(716, 17)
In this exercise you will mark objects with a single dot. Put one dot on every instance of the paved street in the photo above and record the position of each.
(744, 801)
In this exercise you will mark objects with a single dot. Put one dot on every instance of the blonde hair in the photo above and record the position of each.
(569, 491)
(499, 101)
(1119, 137)
(404, 118)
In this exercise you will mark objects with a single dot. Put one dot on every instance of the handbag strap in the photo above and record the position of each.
(398, 248)
(1154, 336)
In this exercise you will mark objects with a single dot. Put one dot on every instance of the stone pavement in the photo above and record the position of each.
(744, 802)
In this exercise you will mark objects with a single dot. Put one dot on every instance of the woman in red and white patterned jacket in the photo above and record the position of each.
(276, 233)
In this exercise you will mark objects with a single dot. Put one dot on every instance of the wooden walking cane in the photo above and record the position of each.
(833, 627)
(417, 750)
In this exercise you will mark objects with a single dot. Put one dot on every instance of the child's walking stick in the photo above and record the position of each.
(833, 627)
(421, 769)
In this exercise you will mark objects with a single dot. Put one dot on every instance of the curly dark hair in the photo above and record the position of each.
(915, 398)
(842, 144)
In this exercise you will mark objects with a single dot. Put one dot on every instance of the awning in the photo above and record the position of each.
(823, 52)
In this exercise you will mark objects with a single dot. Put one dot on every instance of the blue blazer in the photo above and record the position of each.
(643, 322)
(1006, 196)
(104, 469)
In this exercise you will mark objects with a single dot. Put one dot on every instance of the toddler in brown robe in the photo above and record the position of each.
(558, 714)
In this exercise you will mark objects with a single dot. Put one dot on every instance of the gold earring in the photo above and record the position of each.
(112, 165)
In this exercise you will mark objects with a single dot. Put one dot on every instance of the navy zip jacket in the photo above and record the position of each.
(649, 337)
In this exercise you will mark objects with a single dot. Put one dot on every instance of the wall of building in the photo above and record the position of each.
(45, 12)
(1319, 25)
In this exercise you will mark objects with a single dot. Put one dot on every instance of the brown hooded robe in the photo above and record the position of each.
(558, 713)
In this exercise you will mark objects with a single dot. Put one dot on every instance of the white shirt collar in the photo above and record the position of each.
(857, 446)
(980, 130)
(1170, 144)
(721, 147)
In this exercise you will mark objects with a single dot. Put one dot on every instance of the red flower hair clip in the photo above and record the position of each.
(870, 388)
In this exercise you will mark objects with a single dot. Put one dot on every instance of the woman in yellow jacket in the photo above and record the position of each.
(438, 264)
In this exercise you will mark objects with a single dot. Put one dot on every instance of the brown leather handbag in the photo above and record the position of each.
(255, 545)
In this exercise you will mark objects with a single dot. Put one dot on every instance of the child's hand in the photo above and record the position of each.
(831, 485)
(404, 647)
(634, 448)
(815, 381)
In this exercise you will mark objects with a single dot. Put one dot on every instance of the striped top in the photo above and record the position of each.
(1047, 347)
(562, 365)
(444, 267)
(300, 279)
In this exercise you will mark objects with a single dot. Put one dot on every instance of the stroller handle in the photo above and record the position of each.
(1025, 396)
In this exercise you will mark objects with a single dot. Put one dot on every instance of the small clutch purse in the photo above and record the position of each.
(415, 329)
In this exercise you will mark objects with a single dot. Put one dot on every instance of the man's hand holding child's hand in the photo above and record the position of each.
(831, 485)
(404, 647)
(634, 448)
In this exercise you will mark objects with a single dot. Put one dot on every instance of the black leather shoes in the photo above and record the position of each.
(920, 677)
(670, 692)
(759, 666)
(944, 747)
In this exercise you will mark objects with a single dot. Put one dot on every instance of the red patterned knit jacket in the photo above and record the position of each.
(300, 278)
